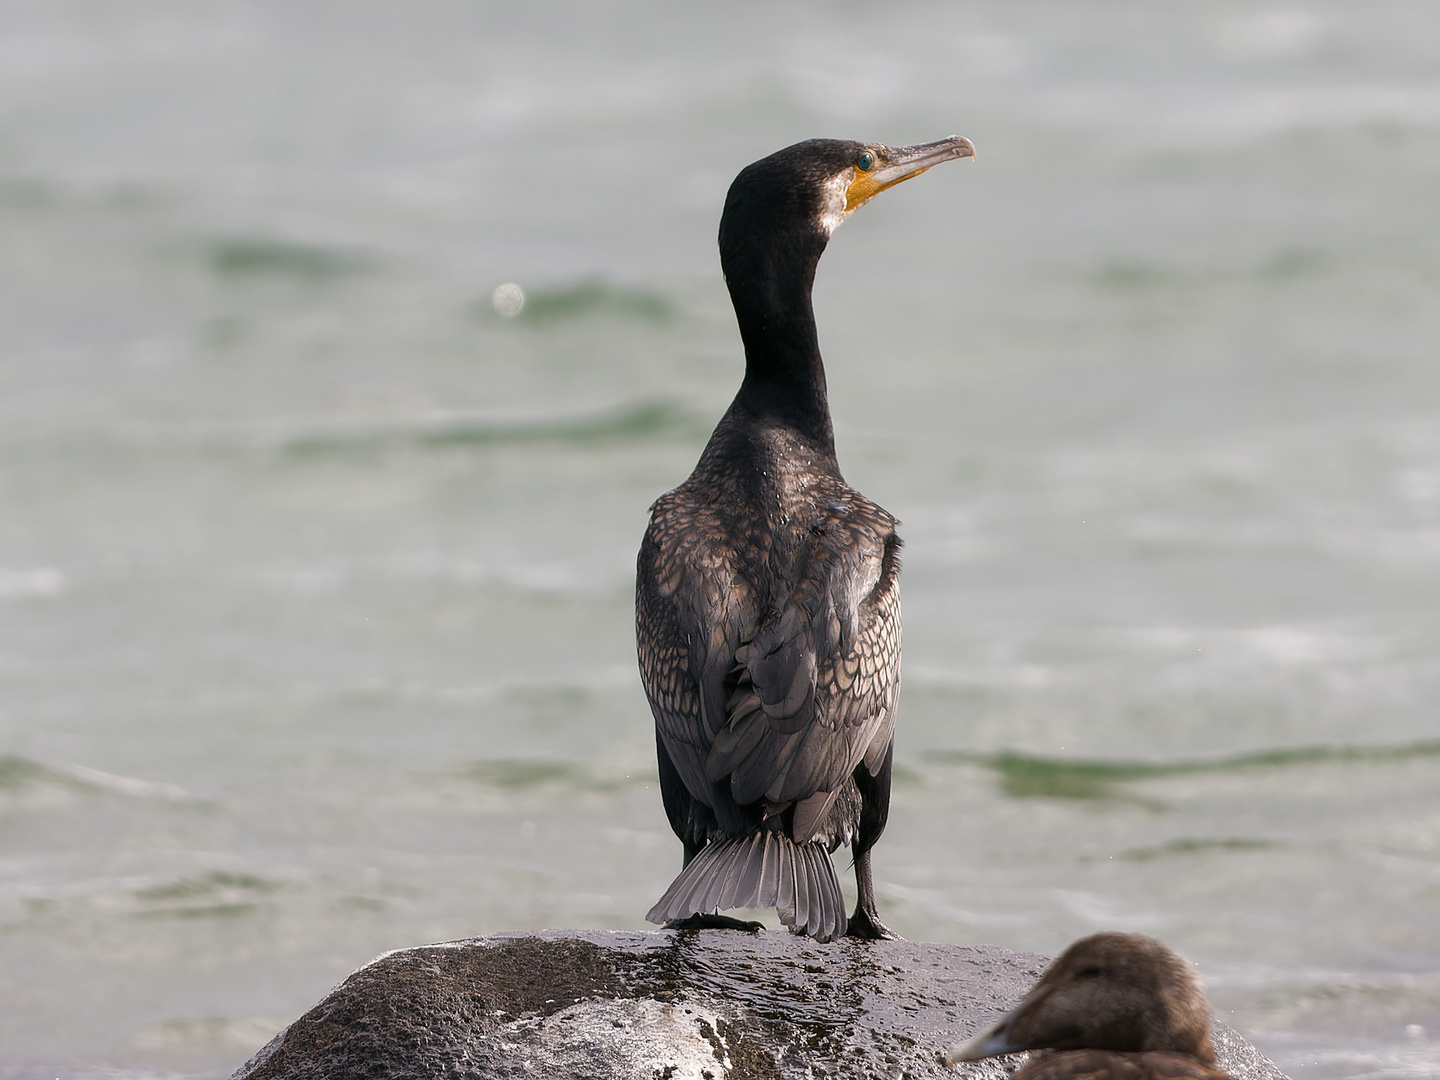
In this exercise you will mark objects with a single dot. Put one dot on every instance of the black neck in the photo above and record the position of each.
(770, 282)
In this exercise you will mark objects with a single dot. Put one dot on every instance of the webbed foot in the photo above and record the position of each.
(867, 926)
(715, 922)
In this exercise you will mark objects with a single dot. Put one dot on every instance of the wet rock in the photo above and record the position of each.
(707, 1005)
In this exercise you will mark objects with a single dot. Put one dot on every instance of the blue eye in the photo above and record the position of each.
(865, 162)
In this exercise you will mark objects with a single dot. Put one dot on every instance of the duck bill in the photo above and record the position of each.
(903, 162)
(984, 1045)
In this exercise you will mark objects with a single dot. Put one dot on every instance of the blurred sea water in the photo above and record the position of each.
(316, 572)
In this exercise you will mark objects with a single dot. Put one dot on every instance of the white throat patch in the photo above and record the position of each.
(832, 200)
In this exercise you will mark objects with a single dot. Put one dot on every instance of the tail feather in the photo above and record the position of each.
(762, 870)
(731, 893)
(748, 883)
(696, 891)
(801, 890)
(700, 886)
(785, 891)
(770, 869)
(826, 906)
(835, 913)
(812, 897)
(821, 911)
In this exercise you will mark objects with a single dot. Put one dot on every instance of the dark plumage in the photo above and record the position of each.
(1112, 1007)
(767, 602)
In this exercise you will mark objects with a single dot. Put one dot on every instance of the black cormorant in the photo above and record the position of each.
(767, 603)
(1112, 1007)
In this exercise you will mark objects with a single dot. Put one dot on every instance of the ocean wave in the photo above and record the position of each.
(586, 298)
(19, 775)
(531, 774)
(635, 422)
(264, 256)
(1029, 775)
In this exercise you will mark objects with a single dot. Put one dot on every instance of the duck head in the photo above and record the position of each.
(1121, 992)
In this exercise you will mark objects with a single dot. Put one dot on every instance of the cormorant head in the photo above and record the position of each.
(806, 190)
(778, 217)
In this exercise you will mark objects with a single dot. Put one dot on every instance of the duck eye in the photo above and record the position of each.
(1090, 972)
(866, 161)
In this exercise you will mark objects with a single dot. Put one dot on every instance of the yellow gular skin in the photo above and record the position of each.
(865, 187)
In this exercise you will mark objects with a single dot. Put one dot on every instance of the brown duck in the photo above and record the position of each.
(1112, 1007)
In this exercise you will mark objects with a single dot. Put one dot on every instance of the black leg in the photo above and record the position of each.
(865, 923)
(874, 810)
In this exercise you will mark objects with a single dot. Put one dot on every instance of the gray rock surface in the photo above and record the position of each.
(706, 1005)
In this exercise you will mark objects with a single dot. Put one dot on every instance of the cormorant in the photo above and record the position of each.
(767, 603)
(1113, 1007)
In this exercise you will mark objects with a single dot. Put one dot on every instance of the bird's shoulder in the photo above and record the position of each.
(768, 492)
